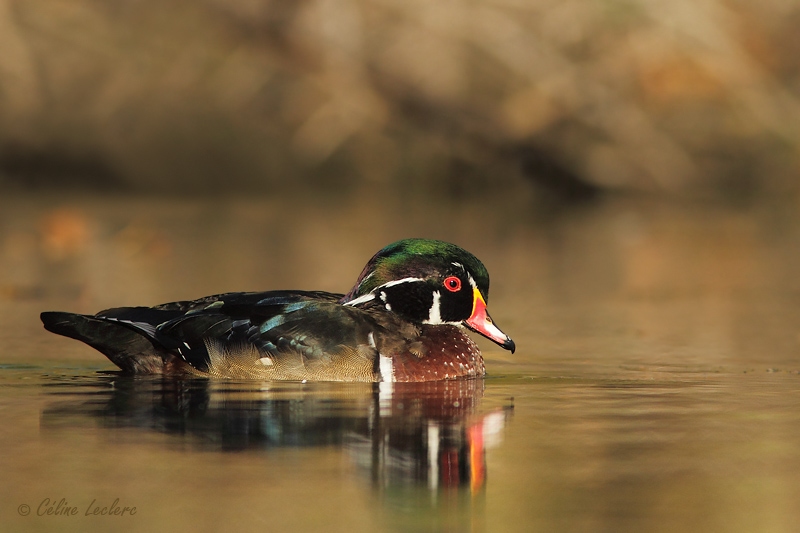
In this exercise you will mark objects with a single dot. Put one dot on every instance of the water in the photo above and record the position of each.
(656, 385)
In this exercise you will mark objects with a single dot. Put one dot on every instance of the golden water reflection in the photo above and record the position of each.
(431, 435)
(656, 384)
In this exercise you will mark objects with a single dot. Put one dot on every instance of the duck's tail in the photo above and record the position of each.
(126, 344)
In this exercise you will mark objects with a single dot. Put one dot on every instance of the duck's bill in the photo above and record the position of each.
(481, 322)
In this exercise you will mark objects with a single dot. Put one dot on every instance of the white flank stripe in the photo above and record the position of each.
(386, 367)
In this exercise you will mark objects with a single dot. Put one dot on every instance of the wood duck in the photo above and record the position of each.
(404, 320)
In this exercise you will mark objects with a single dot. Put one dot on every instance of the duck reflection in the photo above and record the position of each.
(410, 434)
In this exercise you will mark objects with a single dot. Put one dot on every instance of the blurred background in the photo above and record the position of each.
(627, 170)
(566, 99)
(629, 151)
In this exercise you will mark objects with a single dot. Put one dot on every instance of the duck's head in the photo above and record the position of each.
(429, 282)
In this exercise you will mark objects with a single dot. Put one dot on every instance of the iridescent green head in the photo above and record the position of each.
(419, 258)
(429, 282)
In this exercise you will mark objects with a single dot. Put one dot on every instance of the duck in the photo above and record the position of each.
(406, 319)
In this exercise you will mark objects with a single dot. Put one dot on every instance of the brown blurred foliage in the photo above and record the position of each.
(683, 98)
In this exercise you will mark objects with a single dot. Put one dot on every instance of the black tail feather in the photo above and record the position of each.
(128, 348)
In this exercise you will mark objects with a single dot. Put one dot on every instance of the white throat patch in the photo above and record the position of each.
(435, 313)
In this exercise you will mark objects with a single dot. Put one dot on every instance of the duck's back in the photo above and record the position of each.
(215, 335)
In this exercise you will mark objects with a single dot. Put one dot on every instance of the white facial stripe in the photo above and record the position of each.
(435, 313)
(361, 299)
(472, 281)
(459, 265)
(399, 281)
(371, 295)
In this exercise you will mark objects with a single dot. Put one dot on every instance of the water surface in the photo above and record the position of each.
(656, 385)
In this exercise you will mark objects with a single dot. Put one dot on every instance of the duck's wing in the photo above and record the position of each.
(271, 335)
(145, 339)
(282, 335)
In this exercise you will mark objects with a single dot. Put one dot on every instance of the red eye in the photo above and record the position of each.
(452, 284)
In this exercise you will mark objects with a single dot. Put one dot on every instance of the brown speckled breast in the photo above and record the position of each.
(447, 352)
